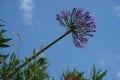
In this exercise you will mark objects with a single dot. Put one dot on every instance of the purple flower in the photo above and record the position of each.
(81, 23)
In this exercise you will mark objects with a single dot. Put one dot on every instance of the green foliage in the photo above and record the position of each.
(7, 66)
(36, 70)
(2, 58)
(33, 71)
(96, 74)
(73, 75)
(3, 40)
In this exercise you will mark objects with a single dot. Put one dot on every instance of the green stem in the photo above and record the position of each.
(34, 56)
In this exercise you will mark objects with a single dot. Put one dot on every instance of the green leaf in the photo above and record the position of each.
(4, 45)
(2, 31)
(3, 57)
(97, 74)
(94, 73)
(12, 57)
(16, 62)
(1, 25)
(102, 75)
(2, 20)
(4, 40)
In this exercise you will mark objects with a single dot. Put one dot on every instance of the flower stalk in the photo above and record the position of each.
(35, 55)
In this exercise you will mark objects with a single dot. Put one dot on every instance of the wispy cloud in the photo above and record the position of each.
(27, 8)
(101, 63)
(117, 9)
(108, 58)
(118, 74)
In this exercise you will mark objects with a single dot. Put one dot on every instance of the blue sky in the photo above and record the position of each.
(35, 21)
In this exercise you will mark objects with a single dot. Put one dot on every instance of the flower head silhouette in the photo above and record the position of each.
(81, 23)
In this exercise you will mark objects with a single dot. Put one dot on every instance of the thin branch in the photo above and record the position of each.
(35, 55)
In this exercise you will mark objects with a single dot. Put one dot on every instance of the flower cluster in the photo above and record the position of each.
(81, 23)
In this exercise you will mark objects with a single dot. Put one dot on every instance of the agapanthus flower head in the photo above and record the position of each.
(81, 23)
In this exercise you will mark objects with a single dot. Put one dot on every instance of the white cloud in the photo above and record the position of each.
(118, 74)
(27, 7)
(101, 63)
(117, 9)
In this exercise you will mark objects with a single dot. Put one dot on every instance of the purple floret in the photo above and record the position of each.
(81, 23)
